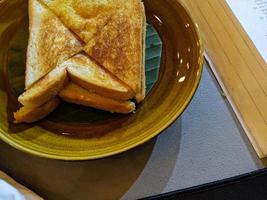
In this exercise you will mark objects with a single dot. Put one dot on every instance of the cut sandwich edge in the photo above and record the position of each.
(140, 95)
(110, 85)
(44, 89)
(30, 114)
(73, 93)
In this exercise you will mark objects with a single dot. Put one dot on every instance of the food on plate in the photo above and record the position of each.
(50, 43)
(119, 46)
(30, 114)
(86, 73)
(45, 89)
(78, 95)
(86, 52)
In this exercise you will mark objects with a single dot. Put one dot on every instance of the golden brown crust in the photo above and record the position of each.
(115, 94)
(29, 114)
(119, 45)
(45, 89)
(89, 75)
(142, 90)
(72, 93)
(83, 17)
(113, 31)
(50, 42)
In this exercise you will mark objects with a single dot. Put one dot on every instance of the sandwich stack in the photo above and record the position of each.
(84, 52)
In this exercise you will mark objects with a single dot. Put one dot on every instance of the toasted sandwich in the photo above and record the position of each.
(78, 95)
(86, 73)
(113, 31)
(119, 46)
(30, 114)
(106, 76)
(45, 89)
(50, 43)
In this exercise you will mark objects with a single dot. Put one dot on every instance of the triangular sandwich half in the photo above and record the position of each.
(119, 46)
(50, 43)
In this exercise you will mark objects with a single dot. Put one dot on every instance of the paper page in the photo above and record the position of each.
(252, 14)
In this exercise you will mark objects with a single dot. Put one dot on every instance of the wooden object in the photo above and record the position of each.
(238, 66)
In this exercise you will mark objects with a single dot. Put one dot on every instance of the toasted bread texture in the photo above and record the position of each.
(84, 18)
(88, 74)
(105, 76)
(140, 94)
(73, 93)
(45, 89)
(118, 46)
(50, 42)
(30, 114)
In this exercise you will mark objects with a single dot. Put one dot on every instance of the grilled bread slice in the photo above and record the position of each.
(73, 93)
(50, 42)
(30, 114)
(119, 46)
(83, 17)
(88, 74)
(45, 89)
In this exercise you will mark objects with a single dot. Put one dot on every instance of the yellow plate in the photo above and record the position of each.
(180, 72)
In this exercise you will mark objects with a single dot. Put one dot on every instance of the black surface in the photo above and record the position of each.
(245, 187)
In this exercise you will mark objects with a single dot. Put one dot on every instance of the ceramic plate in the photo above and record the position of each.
(173, 69)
